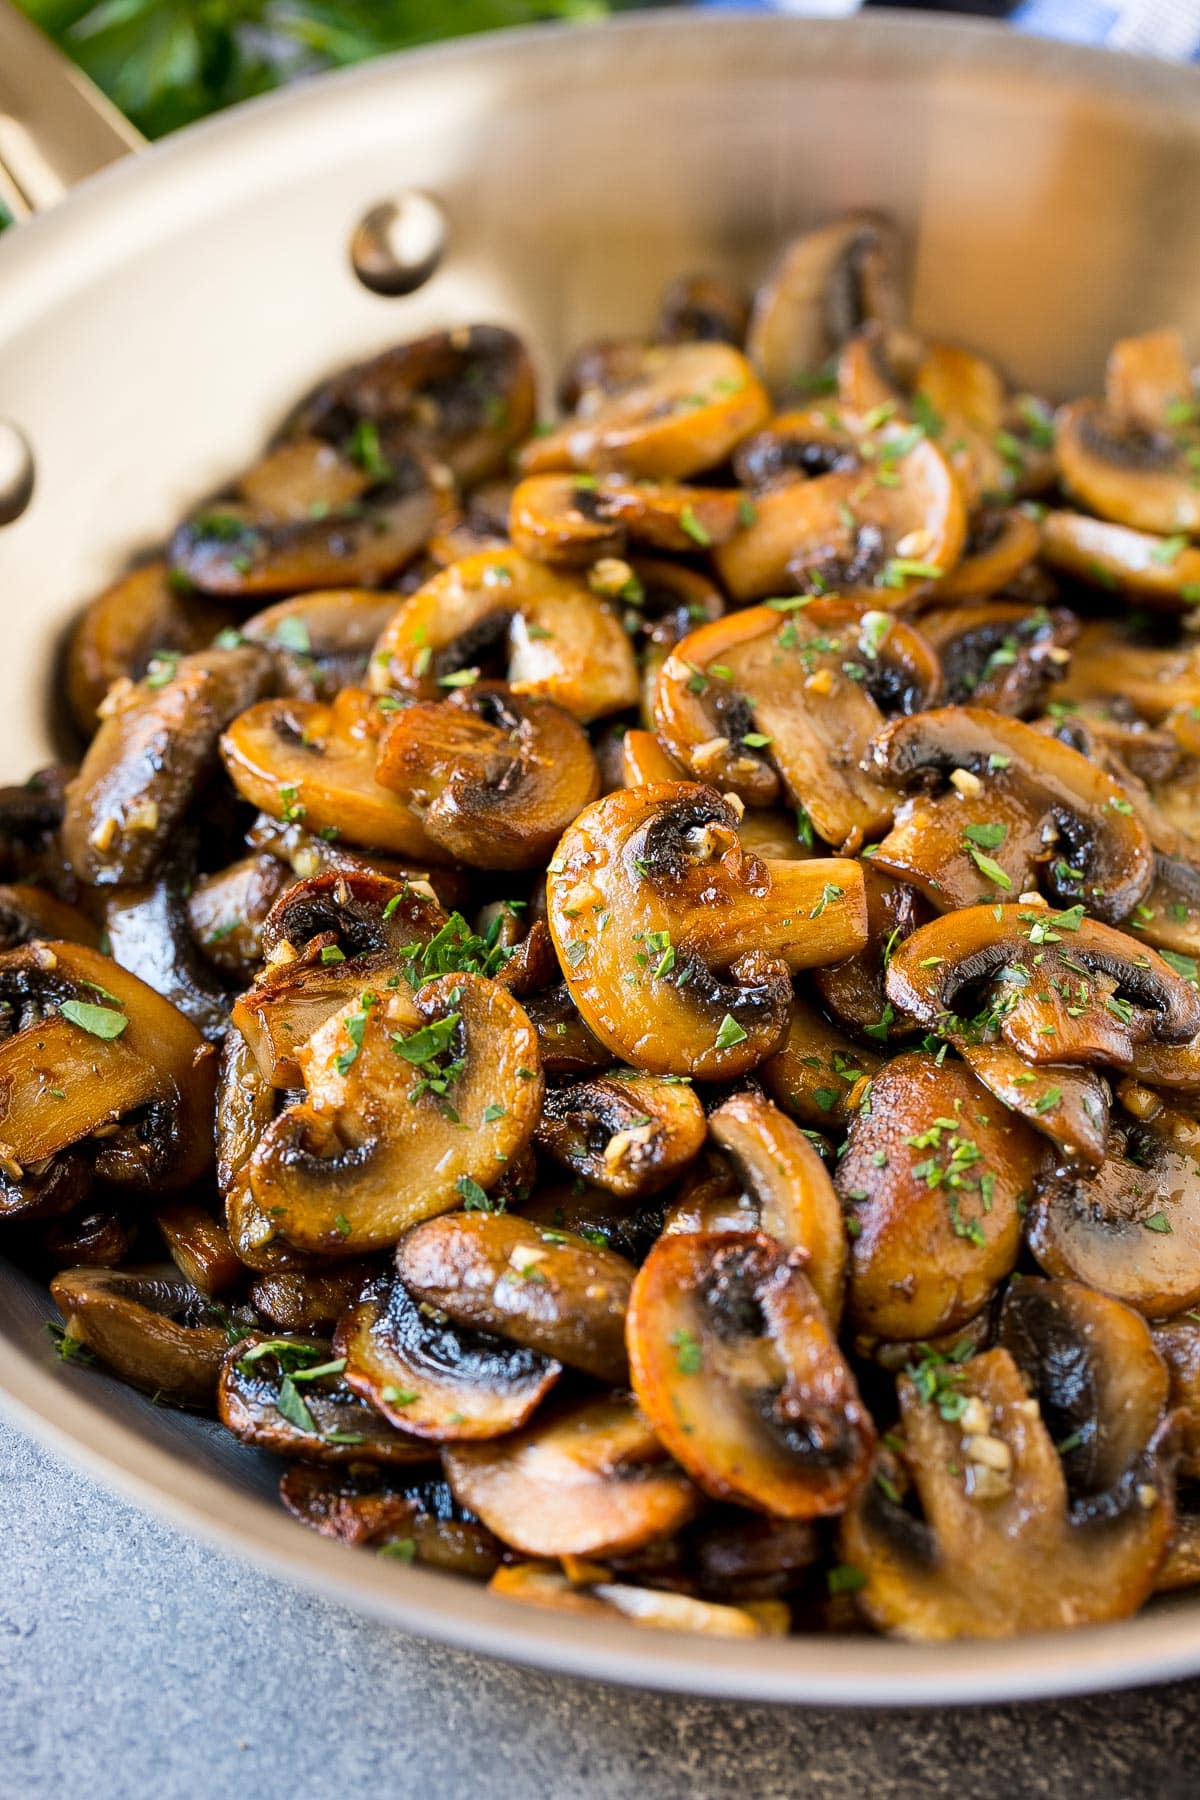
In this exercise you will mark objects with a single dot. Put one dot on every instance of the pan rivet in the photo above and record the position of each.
(16, 473)
(398, 244)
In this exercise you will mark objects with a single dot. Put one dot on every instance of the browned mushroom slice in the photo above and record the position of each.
(576, 519)
(1154, 571)
(962, 396)
(1108, 664)
(1144, 479)
(31, 816)
(550, 1291)
(817, 1072)
(627, 1132)
(199, 1246)
(463, 396)
(1178, 1343)
(1067, 1105)
(155, 1333)
(303, 760)
(676, 945)
(538, 1584)
(793, 1196)
(494, 777)
(996, 1552)
(149, 934)
(1132, 1228)
(568, 1045)
(96, 1055)
(643, 760)
(49, 1189)
(501, 613)
(703, 308)
(431, 1378)
(90, 1237)
(853, 990)
(826, 286)
(298, 1300)
(1101, 992)
(225, 911)
(736, 1366)
(795, 692)
(1024, 807)
(936, 1176)
(682, 409)
(321, 642)
(1000, 544)
(235, 552)
(810, 441)
(852, 533)
(152, 753)
(287, 1395)
(737, 1556)
(306, 478)
(1098, 1377)
(588, 1479)
(142, 617)
(481, 524)
(409, 1518)
(414, 1104)
(27, 913)
(1001, 654)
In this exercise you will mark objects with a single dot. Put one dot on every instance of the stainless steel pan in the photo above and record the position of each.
(155, 325)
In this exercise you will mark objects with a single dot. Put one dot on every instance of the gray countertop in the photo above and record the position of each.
(135, 1661)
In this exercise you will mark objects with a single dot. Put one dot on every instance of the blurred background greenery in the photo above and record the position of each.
(167, 62)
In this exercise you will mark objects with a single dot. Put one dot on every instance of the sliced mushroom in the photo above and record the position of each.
(777, 695)
(152, 1331)
(1131, 1229)
(936, 1176)
(550, 1291)
(794, 1197)
(704, 308)
(1067, 1105)
(409, 1518)
(96, 1058)
(1098, 1377)
(1155, 571)
(27, 913)
(538, 1584)
(810, 441)
(1001, 654)
(1178, 1343)
(142, 617)
(463, 396)
(225, 911)
(852, 533)
(431, 1378)
(413, 1105)
(143, 768)
(996, 1552)
(501, 613)
(321, 642)
(627, 1132)
(736, 1366)
(1109, 665)
(1024, 809)
(149, 934)
(303, 760)
(237, 552)
(817, 1072)
(853, 990)
(1126, 473)
(297, 1300)
(90, 1237)
(577, 519)
(677, 945)
(933, 973)
(682, 408)
(588, 1479)
(1000, 544)
(288, 1395)
(494, 777)
(643, 760)
(826, 285)
(199, 1246)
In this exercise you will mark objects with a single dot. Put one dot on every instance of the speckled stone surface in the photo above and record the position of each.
(134, 1661)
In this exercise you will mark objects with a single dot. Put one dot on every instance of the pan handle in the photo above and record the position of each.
(55, 125)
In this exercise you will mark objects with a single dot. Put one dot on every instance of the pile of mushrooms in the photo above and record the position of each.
(622, 995)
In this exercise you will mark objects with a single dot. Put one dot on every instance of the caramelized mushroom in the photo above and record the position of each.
(321, 642)
(1153, 570)
(199, 1246)
(151, 1331)
(225, 911)
(736, 1366)
(1000, 653)
(627, 1132)
(298, 1300)
(537, 1584)
(493, 777)
(27, 913)
(547, 1290)
(287, 1395)
(676, 945)
(1001, 543)
(580, 518)
(142, 618)
(704, 308)
(681, 409)
(817, 1072)
(792, 696)
(936, 1176)
(500, 612)
(1125, 473)
(590, 1479)
(411, 1518)
(826, 285)
(1108, 664)
(996, 1551)
(154, 750)
(434, 1379)
(149, 934)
